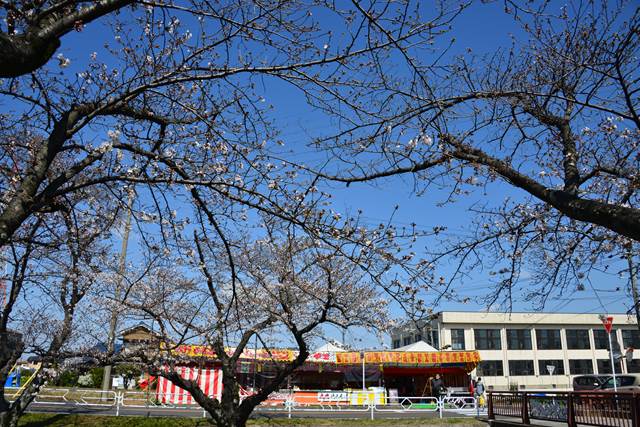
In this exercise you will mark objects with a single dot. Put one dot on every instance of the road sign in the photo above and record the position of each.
(607, 322)
(551, 369)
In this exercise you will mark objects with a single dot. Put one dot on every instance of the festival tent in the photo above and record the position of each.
(406, 372)
(417, 346)
(329, 347)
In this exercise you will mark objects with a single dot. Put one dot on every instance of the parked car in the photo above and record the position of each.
(625, 382)
(589, 382)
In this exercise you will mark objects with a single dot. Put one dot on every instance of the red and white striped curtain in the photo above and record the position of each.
(209, 380)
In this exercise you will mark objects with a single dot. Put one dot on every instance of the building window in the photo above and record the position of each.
(559, 367)
(490, 368)
(519, 339)
(604, 366)
(633, 367)
(548, 339)
(488, 339)
(396, 343)
(580, 367)
(578, 339)
(418, 338)
(435, 339)
(631, 338)
(520, 367)
(601, 338)
(406, 341)
(457, 339)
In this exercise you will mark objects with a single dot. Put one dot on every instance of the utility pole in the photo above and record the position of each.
(613, 365)
(632, 282)
(122, 264)
(255, 361)
(3, 294)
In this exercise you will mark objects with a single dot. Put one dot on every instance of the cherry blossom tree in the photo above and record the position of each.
(52, 265)
(555, 117)
(173, 102)
(279, 292)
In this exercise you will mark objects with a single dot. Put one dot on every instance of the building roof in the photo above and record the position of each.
(329, 347)
(533, 318)
(140, 328)
(416, 346)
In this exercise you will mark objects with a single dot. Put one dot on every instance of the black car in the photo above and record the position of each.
(589, 382)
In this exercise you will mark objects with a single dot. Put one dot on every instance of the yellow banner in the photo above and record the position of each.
(343, 358)
(408, 357)
(280, 355)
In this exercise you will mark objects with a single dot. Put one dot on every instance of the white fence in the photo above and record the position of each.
(462, 405)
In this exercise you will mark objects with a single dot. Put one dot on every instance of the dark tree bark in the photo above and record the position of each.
(26, 52)
(20, 55)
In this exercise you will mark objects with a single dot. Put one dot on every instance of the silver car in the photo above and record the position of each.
(625, 382)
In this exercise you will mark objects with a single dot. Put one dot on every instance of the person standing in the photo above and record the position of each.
(437, 386)
(478, 392)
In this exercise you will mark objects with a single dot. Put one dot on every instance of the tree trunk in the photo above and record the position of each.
(19, 55)
(230, 400)
(227, 412)
(11, 347)
(12, 412)
(5, 408)
(8, 416)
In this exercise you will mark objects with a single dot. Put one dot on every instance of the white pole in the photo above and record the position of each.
(363, 379)
(613, 366)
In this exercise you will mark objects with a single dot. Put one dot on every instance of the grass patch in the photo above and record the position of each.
(59, 420)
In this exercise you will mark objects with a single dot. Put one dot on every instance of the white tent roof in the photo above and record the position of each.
(416, 346)
(329, 347)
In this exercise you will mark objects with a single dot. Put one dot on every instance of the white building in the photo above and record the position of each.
(517, 348)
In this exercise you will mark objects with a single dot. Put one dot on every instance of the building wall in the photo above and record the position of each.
(471, 322)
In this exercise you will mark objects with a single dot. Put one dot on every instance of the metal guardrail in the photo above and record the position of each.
(141, 399)
(88, 397)
(595, 408)
(409, 403)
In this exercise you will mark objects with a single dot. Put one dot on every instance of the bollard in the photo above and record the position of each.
(372, 406)
(490, 414)
(525, 408)
(119, 399)
(440, 405)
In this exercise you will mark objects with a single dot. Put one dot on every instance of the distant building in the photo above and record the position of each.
(516, 349)
(138, 335)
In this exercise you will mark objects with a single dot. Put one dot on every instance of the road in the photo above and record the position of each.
(261, 412)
